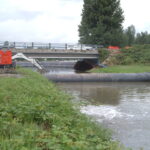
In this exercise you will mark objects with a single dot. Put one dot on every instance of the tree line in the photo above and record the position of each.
(101, 24)
(130, 37)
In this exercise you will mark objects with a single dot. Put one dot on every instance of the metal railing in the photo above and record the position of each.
(53, 46)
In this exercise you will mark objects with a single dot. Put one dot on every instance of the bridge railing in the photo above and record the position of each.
(53, 46)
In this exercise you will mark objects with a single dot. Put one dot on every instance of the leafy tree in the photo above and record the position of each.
(101, 22)
(143, 38)
(130, 34)
(130, 37)
(125, 40)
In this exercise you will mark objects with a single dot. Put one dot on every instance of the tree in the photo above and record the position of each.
(130, 34)
(101, 22)
(143, 38)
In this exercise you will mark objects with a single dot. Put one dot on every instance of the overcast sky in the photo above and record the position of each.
(58, 20)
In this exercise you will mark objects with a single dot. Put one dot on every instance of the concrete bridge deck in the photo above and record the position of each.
(52, 50)
(64, 54)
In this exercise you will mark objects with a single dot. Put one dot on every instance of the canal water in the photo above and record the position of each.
(62, 70)
(122, 107)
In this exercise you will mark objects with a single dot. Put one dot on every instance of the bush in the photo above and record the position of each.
(103, 54)
(138, 54)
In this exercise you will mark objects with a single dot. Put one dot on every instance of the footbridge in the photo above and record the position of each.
(61, 51)
(52, 50)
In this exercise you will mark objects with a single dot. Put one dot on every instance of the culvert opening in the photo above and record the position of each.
(84, 65)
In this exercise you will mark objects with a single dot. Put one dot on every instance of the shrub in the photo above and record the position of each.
(103, 54)
(135, 55)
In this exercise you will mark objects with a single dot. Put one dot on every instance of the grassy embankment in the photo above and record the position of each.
(123, 69)
(133, 60)
(35, 115)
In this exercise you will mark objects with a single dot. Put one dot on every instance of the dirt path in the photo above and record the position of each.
(10, 75)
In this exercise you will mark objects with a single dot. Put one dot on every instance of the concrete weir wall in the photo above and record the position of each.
(100, 77)
(63, 64)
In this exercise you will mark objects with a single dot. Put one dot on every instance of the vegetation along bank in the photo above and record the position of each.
(123, 69)
(35, 115)
(135, 59)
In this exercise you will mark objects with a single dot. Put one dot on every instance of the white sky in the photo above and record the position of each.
(58, 20)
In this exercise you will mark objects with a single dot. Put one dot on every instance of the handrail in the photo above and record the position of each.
(39, 45)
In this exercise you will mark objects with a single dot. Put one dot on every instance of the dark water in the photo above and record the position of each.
(123, 107)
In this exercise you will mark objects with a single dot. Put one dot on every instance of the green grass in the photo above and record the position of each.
(122, 69)
(35, 115)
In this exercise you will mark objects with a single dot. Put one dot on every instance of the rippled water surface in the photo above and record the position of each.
(54, 70)
(123, 107)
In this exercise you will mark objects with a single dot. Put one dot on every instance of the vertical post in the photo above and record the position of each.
(81, 47)
(49, 45)
(33, 45)
(14, 44)
(66, 46)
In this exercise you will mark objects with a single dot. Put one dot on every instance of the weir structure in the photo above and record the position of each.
(100, 77)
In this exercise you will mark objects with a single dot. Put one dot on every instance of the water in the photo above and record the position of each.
(60, 70)
(122, 107)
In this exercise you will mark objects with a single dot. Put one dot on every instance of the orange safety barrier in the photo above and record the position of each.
(113, 48)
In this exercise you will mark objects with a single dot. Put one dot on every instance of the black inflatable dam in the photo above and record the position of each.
(100, 77)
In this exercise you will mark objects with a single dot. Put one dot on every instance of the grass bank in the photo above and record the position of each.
(137, 54)
(123, 69)
(35, 115)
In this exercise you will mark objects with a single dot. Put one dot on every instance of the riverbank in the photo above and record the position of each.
(37, 115)
(123, 69)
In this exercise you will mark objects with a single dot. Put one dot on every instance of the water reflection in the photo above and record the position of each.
(95, 93)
